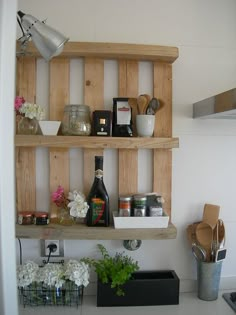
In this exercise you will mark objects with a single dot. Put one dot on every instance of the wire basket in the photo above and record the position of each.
(39, 294)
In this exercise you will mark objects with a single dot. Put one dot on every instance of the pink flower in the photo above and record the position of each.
(19, 100)
(59, 198)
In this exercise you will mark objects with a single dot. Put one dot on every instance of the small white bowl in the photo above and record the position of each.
(49, 127)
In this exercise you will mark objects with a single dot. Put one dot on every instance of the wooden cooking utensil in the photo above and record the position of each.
(211, 214)
(191, 233)
(142, 104)
(153, 106)
(204, 236)
(133, 103)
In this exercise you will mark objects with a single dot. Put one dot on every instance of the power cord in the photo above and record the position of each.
(20, 251)
(52, 248)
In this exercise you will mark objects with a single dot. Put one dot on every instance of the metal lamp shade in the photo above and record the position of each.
(48, 41)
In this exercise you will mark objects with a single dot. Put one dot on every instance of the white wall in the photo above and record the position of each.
(8, 297)
(204, 166)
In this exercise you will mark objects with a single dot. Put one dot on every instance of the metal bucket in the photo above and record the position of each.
(208, 277)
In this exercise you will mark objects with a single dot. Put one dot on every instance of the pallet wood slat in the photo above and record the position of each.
(94, 97)
(162, 168)
(25, 157)
(58, 98)
(82, 232)
(116, 51)
(90, 142)
(128, 159)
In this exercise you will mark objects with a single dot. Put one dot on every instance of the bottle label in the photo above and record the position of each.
(99, 173)
(98, 208)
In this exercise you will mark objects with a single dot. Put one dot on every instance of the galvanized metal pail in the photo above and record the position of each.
(208, 278)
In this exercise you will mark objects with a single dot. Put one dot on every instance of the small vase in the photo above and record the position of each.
(27, 126)
(64, 217)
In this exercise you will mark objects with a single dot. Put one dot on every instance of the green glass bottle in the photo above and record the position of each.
(98, 199)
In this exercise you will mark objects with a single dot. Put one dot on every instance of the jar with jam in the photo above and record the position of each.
(76, 120)
(41, 218)
(25, 217)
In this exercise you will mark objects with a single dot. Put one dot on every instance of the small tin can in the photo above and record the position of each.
(139, 201)
(155, 211)
(140, 212)
(25, 217)
(41, 218)
(125, 206)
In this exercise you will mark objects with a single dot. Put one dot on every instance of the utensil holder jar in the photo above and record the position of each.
(208, 277)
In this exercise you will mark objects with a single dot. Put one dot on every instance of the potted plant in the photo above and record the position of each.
(121, 284)
(115, 271)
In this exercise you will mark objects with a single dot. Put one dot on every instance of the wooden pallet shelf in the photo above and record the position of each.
(93, 57)
(96, 142)
(82, 232)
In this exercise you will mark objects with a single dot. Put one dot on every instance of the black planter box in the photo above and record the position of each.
(145, 288)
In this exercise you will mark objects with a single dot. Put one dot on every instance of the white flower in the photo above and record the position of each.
(32, 111)
(78, 206)
(51, 275)
(78, 272)
(26, 274)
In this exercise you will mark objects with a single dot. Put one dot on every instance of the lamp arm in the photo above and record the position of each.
(18, 20)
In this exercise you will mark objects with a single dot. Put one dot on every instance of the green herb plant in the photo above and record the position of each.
(116, 270)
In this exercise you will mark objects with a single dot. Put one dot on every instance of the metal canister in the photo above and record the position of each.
(140, 212)
(125, 206)
(139, 201)
(25, 217)
(41, 218)
(155, 211)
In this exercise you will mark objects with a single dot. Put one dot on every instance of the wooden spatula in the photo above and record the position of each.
(211, 214)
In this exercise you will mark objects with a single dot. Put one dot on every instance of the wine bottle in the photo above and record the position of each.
(98, 199)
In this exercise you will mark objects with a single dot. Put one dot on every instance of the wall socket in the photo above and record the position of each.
(45, 250)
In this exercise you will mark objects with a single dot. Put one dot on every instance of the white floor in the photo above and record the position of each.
(189, 304)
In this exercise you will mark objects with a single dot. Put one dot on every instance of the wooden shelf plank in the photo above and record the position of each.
(82, 232)
(96, 142)
(113, 51)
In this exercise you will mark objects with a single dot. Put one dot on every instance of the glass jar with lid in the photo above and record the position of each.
(76, 120)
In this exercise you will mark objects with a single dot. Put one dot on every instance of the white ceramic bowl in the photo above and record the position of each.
(49, 127)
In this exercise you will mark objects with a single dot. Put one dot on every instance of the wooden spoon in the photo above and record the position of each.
(204, 235)
(142, 104)
(133, 104)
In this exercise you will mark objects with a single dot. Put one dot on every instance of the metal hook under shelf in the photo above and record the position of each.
(132, 244)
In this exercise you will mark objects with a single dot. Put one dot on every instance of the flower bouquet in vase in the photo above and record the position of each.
(71, 208)
(27, 116)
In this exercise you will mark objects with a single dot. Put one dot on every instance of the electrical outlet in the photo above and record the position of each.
(45, 250)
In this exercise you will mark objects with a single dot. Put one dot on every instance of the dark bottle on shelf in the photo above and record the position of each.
(98, 199)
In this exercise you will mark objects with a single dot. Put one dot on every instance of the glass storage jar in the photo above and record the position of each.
(76, 120)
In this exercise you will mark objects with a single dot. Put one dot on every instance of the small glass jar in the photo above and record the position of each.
(76, 120)
(41, 218)
(25, 217)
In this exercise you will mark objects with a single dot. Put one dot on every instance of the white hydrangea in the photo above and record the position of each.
(78, 272)
(27, 273)
(78, 206)
(51, 275)
(32, 111)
